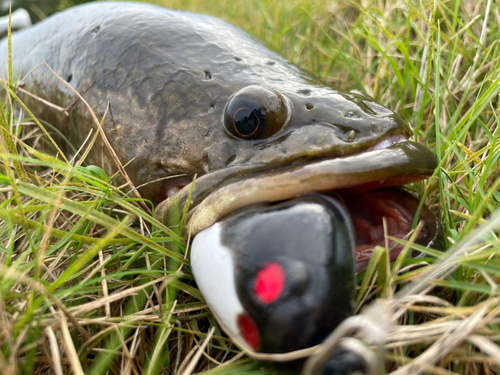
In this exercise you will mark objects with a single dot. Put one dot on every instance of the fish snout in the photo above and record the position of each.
(354, 116)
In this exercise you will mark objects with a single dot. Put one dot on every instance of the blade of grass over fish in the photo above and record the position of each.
(92, 142)
(56, 163)
(56, 131)
(377, 266)
(450, 149)
(9, 44)
(104, 138)
(133, 209)
(186, 207)
(11, 147)
(16, 98)
(396, 266)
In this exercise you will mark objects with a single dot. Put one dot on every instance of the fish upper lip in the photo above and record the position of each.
(388, 141)
(393, 161)
(208, 183)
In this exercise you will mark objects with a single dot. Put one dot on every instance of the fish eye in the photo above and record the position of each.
(256, 112)
(247, 122)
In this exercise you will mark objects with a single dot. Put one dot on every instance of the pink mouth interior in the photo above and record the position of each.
(172, 185)
(367, 210)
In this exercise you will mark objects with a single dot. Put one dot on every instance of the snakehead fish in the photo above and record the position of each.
(191, 95)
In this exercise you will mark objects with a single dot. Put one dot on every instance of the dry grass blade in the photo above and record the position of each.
(486, 346)
(80, 310)
(446, 343)
(189, 369)
(45, 102)
(54, 351)
(69, 347)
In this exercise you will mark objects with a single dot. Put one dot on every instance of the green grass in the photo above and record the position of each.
(91, 283)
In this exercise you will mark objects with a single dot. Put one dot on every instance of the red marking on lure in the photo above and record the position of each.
(269, 283)
(249, 331)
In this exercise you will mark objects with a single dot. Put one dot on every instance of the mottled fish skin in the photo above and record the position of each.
(167, 76)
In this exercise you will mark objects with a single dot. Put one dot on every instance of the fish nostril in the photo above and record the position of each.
(377, 108)
(230, 159)
(238, 58)
(309, 106)
(305, 92)
(96, 30)
(352, 115)
(270, 63)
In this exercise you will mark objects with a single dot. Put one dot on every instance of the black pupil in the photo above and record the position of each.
(246, 122)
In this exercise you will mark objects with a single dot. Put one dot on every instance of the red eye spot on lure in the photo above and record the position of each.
(249, 331)
(269, 283)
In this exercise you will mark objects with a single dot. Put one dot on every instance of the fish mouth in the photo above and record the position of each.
(391, 212)
(357, 178)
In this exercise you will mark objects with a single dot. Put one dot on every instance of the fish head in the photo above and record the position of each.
(274, 259)
(273, 143)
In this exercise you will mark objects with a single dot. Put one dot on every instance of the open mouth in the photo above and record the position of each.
(386, 210)
(298, 220)
(397, 165)
(357, 178)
